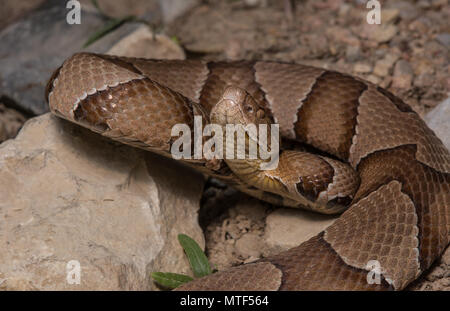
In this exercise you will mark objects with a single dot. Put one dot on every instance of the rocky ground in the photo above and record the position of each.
(407, 54)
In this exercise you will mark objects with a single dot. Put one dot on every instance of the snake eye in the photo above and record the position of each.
(249, 109)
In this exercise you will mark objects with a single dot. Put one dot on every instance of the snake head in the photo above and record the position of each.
(237, 106)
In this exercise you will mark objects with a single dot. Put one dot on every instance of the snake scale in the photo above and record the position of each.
(359, 147)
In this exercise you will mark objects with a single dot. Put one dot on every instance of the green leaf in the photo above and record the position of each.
(170, 280)
(197, 259)
(175, 39)
(111, 25)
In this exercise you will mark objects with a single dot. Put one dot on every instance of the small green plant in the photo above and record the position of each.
(175, 39)
(197, 260)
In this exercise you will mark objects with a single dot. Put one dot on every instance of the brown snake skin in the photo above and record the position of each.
(399, 213)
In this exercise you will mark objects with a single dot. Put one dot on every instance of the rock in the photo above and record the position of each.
(435, 49)
(437, 120)
(69, 194)
(421, 25)
(317, 45)
(143, 43)
(234, 235)
(384, 33)
(119, 8)
(286, 228)
(439, 3)
(352, 53)
(407, 10)
(34, 47)
(446, 257)
(374, 79)
(344, 9)
(424, 4)
(383, 66)
(444, 39)
(437, 277)
(403, 75)
(342, 35)
(13, 9)
(377, 33)
(255, 3)
(424, 81)
(10, 122)
(362, 68)
(216, 29)
(252, 208)
(201, 37)
(422, 65)
(171, 9)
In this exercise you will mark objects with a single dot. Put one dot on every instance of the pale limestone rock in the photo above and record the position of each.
(379, 33)
(143, 43)
(69, 194)
(389, 16)
(287, 228)
(33, 47)
(252, 208)
(10, 122)
(373, 78)
(362, 68)
(383, 66)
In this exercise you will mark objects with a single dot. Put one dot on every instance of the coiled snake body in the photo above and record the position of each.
(374, 155)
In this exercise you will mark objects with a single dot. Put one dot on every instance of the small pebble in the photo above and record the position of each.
(373, 78)
(389, 15)
(384, 33)
(444, 39)
(383, 66)
(403, 75)
(352, 53)
(362, 68)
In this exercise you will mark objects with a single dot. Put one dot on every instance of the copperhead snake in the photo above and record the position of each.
(364, 150)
